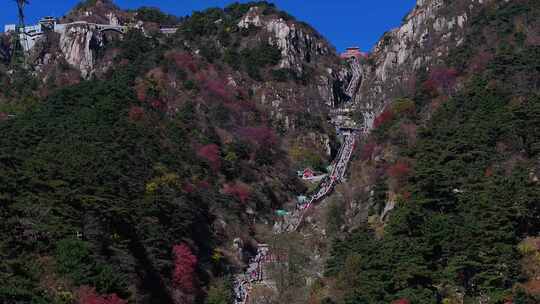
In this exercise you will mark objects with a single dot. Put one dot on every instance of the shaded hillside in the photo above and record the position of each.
(119, 182)
(131, 180)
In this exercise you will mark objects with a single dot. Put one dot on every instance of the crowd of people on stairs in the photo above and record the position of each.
(292, 220)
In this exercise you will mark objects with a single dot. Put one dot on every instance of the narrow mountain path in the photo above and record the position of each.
(254, 274)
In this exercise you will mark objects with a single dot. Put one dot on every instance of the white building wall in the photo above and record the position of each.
(33, 29)
(10, 28)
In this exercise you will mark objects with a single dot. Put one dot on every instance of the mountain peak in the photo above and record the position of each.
(96, 11)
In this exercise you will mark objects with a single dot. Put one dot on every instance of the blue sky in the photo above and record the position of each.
(343, 22)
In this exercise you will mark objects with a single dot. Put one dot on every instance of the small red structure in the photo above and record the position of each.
(354, 51)
(308, 173)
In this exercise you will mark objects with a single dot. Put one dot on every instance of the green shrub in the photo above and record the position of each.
(84, 4)
(238, 10)
(210, 53)
(220, 292)
(73, 259)
(232, 58)
(403, 106)
(107, 280)
(190, 85)
(526, 248)
(334, 217)
(262, 56)
(152, 14)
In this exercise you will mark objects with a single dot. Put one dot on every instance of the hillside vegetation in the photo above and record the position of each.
(131, 186)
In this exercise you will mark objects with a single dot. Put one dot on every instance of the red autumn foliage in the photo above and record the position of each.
(140, 91)
(203, 185)
(259, 135)
(211, 154)
(386, 116)
(185, 263)
(201, 76)
(488, 172)
(444, 78)
(182, 60)
(399, 170)
(136, 113)
(430, 88)
(188, 188)
(242, 93)
(88, 295)
(240, 107)
(3, 116)
(533, 38)
(157, 104)
(406, 195)
(239, 190)
(402, 301)
(216, 88)
(367, 150)
(214, 85)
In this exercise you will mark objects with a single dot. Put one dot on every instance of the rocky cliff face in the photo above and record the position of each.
(425, 39)
(77, 43)
(301, 46)
(298, 44)
(76, 38)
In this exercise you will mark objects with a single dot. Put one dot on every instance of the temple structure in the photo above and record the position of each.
(353, 52)
(31, 33)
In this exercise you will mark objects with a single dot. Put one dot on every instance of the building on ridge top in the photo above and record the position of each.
(29, 34)
(44, 23)
(48, 22)
(353, 51)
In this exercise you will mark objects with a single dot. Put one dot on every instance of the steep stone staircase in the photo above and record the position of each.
(254, 274)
